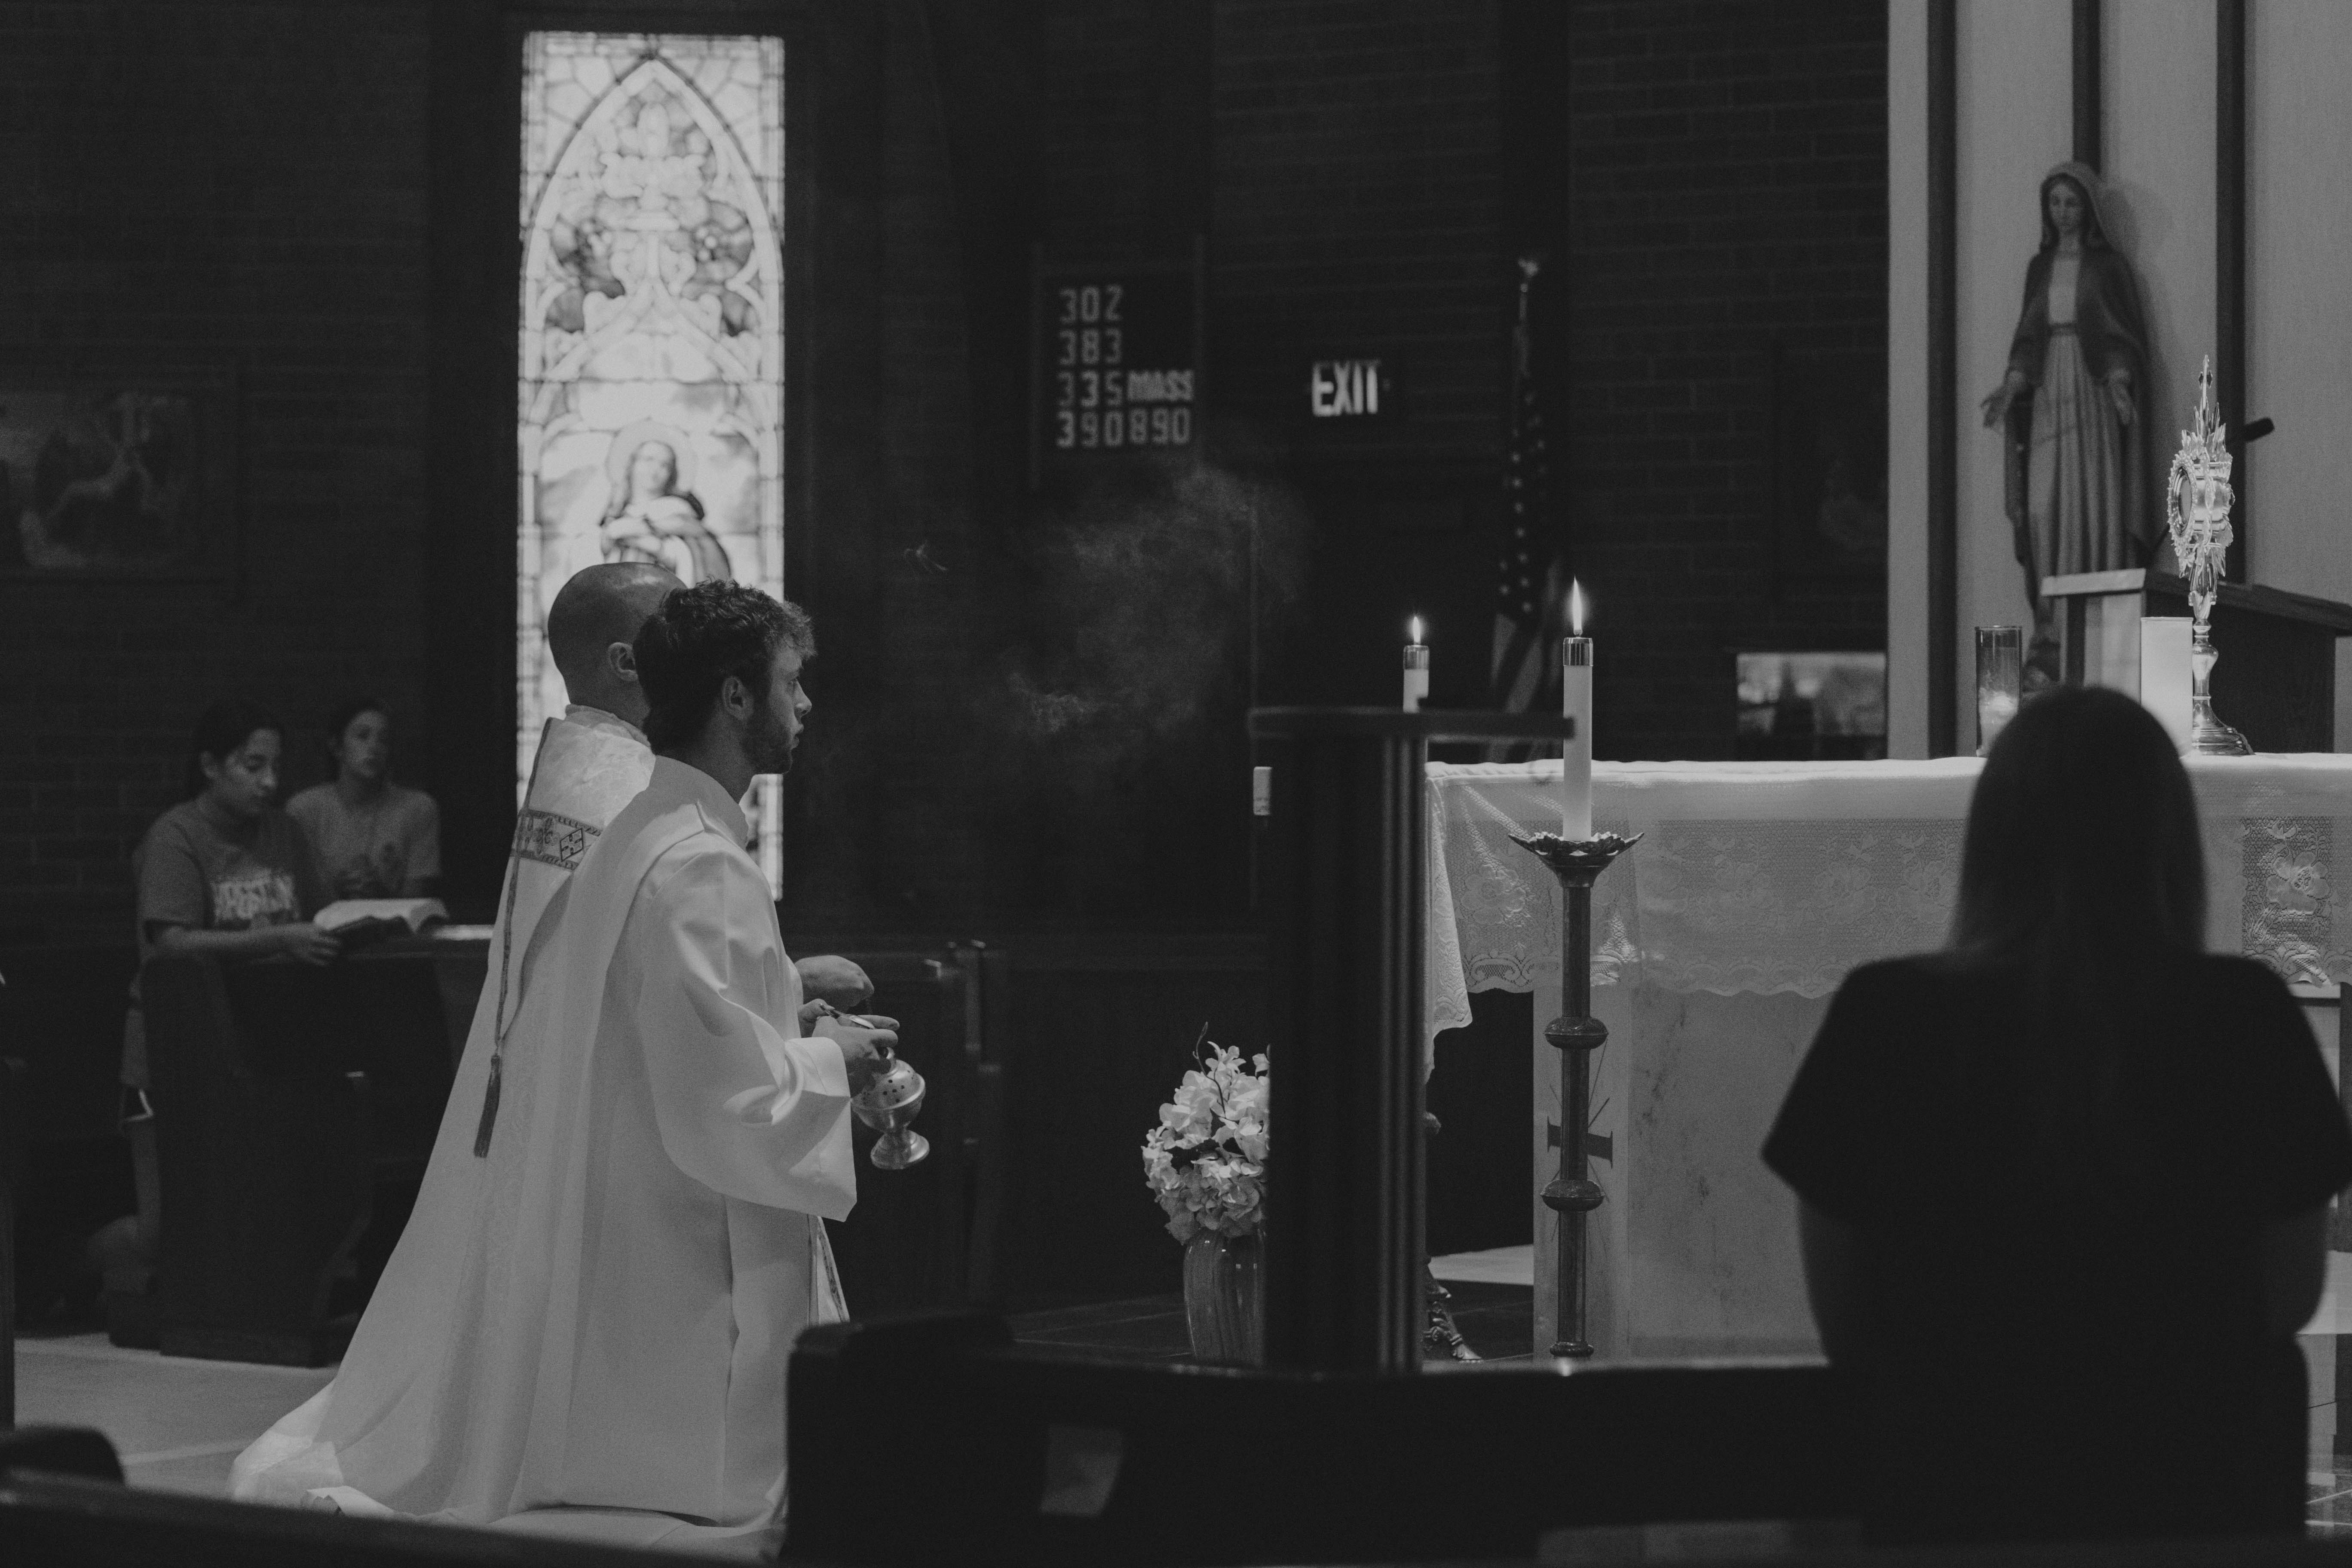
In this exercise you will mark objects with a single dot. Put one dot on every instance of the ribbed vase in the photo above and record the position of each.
(1225, 1297)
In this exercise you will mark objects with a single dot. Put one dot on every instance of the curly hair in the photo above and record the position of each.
(699, 637)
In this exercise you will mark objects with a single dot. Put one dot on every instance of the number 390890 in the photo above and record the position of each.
(1091, 429)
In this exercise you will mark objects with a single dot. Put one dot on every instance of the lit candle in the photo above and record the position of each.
(1576, 704)
(1416, 669)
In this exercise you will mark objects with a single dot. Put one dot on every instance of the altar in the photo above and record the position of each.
(1719, 939)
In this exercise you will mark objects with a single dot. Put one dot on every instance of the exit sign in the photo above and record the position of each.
(1348, 389)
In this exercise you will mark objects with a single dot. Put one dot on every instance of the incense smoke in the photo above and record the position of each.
(1144, 604)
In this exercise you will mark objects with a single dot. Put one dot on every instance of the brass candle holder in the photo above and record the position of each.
(1572, 1195)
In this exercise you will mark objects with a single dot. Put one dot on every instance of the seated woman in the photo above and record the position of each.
(373, 839)
(2064, 1183)
(224, 872)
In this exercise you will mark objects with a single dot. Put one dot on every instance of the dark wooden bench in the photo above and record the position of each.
(61, 1017)
(12, 1166)
(285, 1096)
(984, 1442)
(926, 1237)
(63, 1505)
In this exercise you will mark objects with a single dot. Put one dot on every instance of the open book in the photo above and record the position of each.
(360, 921)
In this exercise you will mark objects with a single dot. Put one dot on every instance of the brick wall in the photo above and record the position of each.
(1356, 209)
(248, 185)
(238, 184)
(1728, 197)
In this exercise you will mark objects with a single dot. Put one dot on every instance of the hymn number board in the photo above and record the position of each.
(1116, 355)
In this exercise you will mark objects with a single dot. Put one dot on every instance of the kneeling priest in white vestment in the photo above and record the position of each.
(585, 1325)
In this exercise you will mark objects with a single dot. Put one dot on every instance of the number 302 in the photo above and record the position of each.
(1090, 303)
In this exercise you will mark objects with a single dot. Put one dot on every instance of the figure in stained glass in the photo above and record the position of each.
(654, 515)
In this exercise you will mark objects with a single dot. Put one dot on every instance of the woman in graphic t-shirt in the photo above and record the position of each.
(224, 872)
(373, 839)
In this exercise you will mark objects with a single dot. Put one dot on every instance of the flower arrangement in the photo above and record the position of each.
(1206, 1160)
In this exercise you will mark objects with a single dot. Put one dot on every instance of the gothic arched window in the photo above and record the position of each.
(651, 364)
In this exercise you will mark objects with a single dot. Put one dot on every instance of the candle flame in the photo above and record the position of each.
(1416, 629)
(1575, 608)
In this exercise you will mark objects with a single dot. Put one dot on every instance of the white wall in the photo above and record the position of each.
(2015, 118)
(2299, 305)
(2160, 137)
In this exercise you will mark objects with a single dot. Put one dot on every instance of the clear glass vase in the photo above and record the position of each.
(1225, 1297)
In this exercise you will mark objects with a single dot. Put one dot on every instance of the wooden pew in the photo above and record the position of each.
(926, 1237)
(1050, 1458)
(61, 1013)
(63, 1505)
(285, 1094)
(12, 1166)
(935, 1438)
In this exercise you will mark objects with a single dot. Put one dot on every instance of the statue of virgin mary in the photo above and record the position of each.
(2071, 405)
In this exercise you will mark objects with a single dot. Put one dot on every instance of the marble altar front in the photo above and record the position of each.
(1720, 938)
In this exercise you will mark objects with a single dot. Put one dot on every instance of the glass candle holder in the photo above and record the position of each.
(2001, 673)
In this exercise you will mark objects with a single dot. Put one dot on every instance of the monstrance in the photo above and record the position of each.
(2197, 501)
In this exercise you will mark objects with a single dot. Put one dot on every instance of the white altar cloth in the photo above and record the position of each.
(1756, 887)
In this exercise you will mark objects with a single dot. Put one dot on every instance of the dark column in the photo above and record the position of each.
(1343, 875)
(2229, 257)
(474, 259)
(2090, 113)
(1346, 876)
(1943, 364)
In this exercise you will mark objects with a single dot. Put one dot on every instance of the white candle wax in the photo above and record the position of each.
(1576, 761)
(1416, 669)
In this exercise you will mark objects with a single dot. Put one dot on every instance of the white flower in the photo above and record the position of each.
(1205, 1161)
(1249, 1137)
(1197, 1100)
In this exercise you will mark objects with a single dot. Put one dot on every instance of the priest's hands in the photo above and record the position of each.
(832, 978)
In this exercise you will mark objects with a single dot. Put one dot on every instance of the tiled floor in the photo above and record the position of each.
(177, 1423)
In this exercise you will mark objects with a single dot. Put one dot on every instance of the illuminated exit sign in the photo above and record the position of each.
(1348, 389)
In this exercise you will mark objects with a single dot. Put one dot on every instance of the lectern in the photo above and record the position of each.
(2276, 680)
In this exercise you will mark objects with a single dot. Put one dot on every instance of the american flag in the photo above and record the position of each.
(1532, 581)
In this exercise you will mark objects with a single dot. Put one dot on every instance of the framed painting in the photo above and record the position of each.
(117, 473)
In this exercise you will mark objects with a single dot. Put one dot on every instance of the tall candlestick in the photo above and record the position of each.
(1576, 704)
(1416, 669)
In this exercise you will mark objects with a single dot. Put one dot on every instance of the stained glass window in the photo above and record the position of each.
(651, 366)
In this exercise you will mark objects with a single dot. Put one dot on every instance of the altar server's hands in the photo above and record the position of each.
(866, 1045)
(832, 978)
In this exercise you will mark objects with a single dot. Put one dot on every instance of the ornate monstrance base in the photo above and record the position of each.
(2208, 737)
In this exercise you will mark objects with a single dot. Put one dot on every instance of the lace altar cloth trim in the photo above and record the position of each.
(1784, 875)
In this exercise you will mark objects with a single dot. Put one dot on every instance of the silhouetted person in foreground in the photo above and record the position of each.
(2063, 1184)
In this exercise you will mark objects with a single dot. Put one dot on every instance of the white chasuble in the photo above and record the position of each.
(591, 1321)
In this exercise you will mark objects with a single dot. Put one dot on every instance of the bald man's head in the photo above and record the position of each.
(590, 627)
